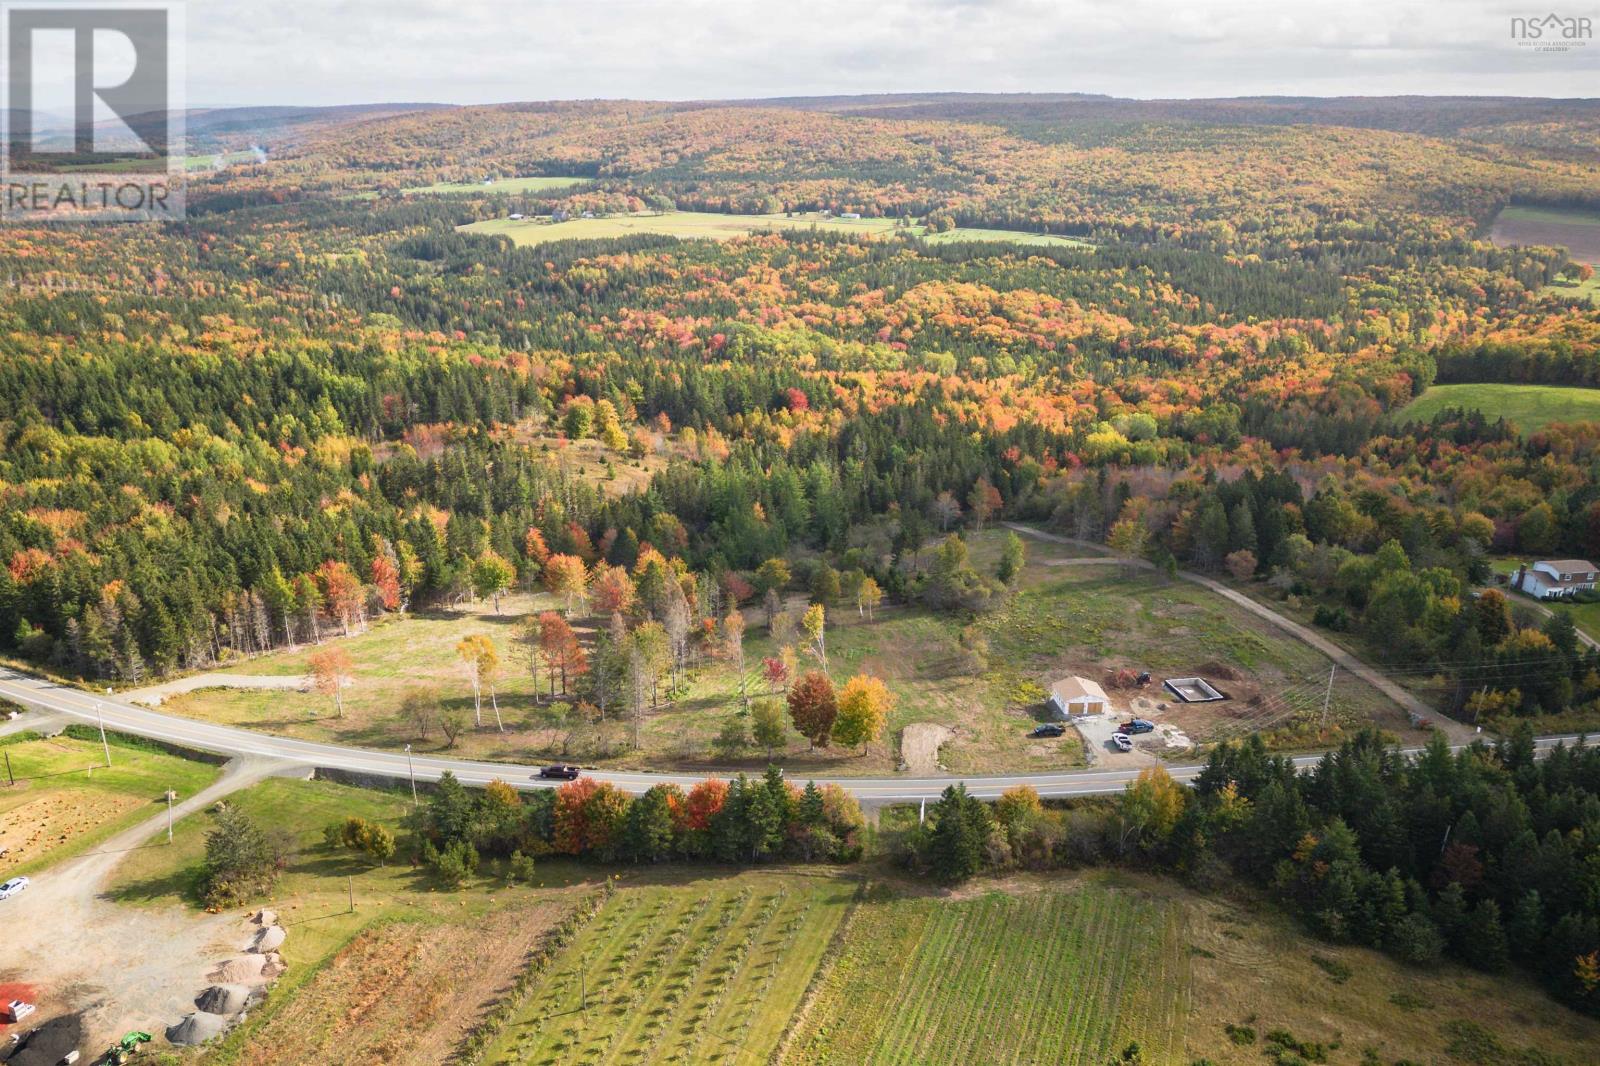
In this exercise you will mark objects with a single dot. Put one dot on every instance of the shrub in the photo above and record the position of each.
(1242, 1035)
(1338, 971)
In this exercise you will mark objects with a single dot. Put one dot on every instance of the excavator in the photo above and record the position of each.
(125, 1049)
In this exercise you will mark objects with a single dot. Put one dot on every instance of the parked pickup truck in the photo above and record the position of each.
(1122, 741)
(1137, 726)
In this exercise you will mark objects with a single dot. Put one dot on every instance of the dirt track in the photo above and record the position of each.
(127, 967)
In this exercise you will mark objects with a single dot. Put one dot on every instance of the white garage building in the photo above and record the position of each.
(1077, 696)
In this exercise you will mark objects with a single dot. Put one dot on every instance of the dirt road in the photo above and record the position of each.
(1455, 731)
(127, 967)
(152, 695)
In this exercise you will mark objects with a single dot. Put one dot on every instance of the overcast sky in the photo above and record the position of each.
(476, 51)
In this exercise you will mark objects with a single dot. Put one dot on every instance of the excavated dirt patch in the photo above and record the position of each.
(919, 746)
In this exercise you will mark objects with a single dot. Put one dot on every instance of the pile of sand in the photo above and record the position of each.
(248, 969)
(223, 999)
(196, 1028)
(50, 1043)
(270, 938)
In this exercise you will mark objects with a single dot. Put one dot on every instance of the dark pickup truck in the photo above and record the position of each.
(560, 772)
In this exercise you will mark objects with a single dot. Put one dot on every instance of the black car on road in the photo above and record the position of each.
(560, 772)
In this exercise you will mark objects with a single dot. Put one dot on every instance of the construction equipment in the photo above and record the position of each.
(125, 1049)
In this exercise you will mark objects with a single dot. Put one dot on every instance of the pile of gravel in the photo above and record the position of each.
(236, 971)
(196, 1028)
(50, 1043)
(223, 999)
(270, 938)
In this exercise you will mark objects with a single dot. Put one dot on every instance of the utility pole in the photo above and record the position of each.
(583, 983)
(169, 816)
(351, 883)
(100, 716)
(1327, 697)
(11, 778)
(412, 771)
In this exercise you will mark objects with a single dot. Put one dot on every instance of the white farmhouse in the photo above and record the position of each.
(1550, 579)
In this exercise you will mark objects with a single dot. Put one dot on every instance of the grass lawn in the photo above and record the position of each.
(1582, 290)
(717, 226)
(503, 185)
(1531, 407)
(65, 800)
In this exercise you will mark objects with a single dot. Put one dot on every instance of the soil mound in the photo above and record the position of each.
(50, 1043)
(237, 971)
(223, 999)
(1219, 671)
(196, 1028)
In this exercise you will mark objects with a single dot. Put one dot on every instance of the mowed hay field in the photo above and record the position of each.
(709, 973)
(1531, 407)
(1061, 975)
(65, 800)
(718, 226)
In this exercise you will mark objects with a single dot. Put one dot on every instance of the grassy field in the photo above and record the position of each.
(710, 973)
(65, 800)
(716, 226)
(1066, 618)
(1047, 976)
(503, 185)
(1531, 407)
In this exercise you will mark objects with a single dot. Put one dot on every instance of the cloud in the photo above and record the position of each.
(472, 51)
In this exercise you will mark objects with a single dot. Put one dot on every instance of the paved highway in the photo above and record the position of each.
(39, 694)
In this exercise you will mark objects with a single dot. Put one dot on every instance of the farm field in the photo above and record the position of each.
(705, 964)
(703, 973)
(704, 224)
(501, 185)
(1531, 407)
(65, 800)
(1067, 617)
(1049, 976)
(1576, 230)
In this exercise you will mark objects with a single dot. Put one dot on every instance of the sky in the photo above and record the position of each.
(246, 52)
